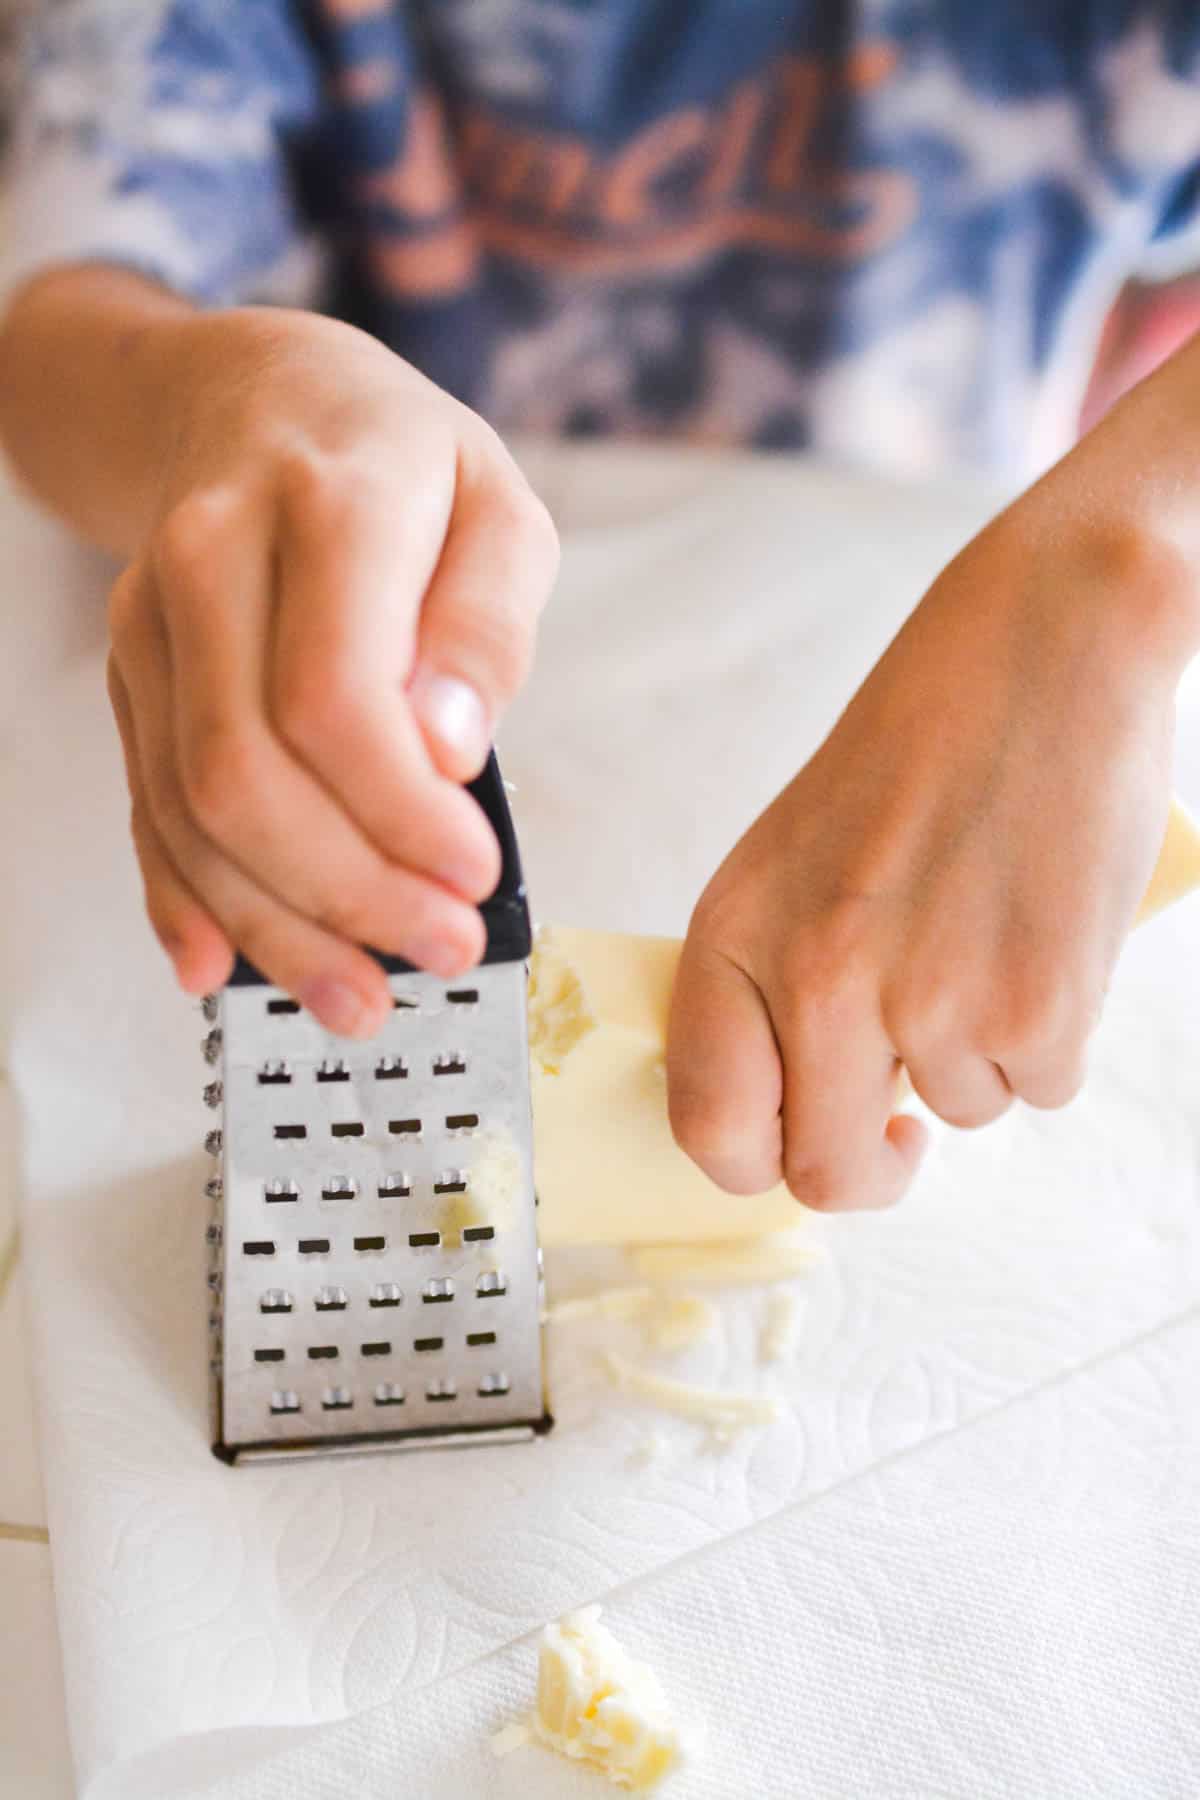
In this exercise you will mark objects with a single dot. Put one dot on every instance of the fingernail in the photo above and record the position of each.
(453, 712)
(440, 956)
(340, 1009)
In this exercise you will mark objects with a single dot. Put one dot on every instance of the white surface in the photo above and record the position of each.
(930, 1600)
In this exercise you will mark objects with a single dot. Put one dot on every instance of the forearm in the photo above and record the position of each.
(89, 360)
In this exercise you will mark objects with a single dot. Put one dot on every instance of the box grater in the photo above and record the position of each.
(374, 1267)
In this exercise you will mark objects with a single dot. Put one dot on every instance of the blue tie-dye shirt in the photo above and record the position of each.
(888, 229)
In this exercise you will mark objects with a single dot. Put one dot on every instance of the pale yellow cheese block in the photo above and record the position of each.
(607, 1168)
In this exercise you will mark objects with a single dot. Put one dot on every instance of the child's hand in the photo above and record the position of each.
(310, 651)
(948, 881)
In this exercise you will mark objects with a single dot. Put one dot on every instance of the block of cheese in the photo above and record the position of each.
(608, 1170)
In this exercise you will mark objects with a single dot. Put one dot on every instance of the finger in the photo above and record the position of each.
(724, 1080)
(247, 794)
(353, 571)
(842, 1148)
(1049, 1078)
(479, 619)
(343, 986)
(959, 1085)
(198, 948)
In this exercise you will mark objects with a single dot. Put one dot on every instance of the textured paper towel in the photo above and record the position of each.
(1012, 1610)
(198, 1600)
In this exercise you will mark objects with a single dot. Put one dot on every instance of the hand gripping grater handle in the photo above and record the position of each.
(374, 1271)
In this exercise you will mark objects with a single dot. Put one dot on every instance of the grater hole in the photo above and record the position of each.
(437, 1291)
(382, 1347)
(283, 1006)
(443, 1388)
(313, 1246)
(424, 1240)
(389, 1393)
(462, 1121)
(277, 1191)
(332, 1069)
(395, 1187)
(268, 1356)
(285, 1400)
(478, 1234)
(493, 1385)
(490, 1285)
(330, 1299)
(275, 1300)
(384, 1293)
(349, 1128)
(322, 1352)
(337, 1399)
(463, 996)
(405, 1003)
(451, 1181)
(428, 1343)
(404, 1127)
(258, 1247)
(370, 1243)
(340, 1187)
(391, 1068)
(274, 1074)
(451, 1064)
(291, 1131)
(475, 1338)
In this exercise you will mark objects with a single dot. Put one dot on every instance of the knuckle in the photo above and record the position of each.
(699, 1124)
(526, 518)
(181, 552)
(313, 707)
(1031, 1016)
(815, 1185)
(971, 1115)
(218, 775)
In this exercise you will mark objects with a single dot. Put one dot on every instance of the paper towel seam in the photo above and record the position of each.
(612, 1595)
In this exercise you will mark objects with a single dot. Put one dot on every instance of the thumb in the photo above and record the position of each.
(478, 622)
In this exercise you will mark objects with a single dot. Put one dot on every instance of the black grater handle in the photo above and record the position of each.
(505, 914)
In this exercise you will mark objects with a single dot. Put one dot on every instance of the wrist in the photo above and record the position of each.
(1125, 536)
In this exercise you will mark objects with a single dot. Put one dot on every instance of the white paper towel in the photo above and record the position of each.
(203, 1604)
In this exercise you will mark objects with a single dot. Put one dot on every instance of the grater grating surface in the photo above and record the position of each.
(374, 1267)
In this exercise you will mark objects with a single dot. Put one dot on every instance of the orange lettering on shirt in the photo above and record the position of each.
(803, 86)
(364, 82)
(422, 181)
(434, 266)
(737, 129)
(357, 9)
(627, 196)
(869, 64)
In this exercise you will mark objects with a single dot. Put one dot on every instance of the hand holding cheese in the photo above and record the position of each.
(946, 885)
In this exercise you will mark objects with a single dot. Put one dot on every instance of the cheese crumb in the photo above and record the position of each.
(707, 1406)
(559, 1012)
(513, 1736)
(726, 1265)
(672, 1321)
(595, 1703)
(779, 1327)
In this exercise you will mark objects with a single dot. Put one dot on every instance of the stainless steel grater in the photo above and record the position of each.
(374, 1269)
